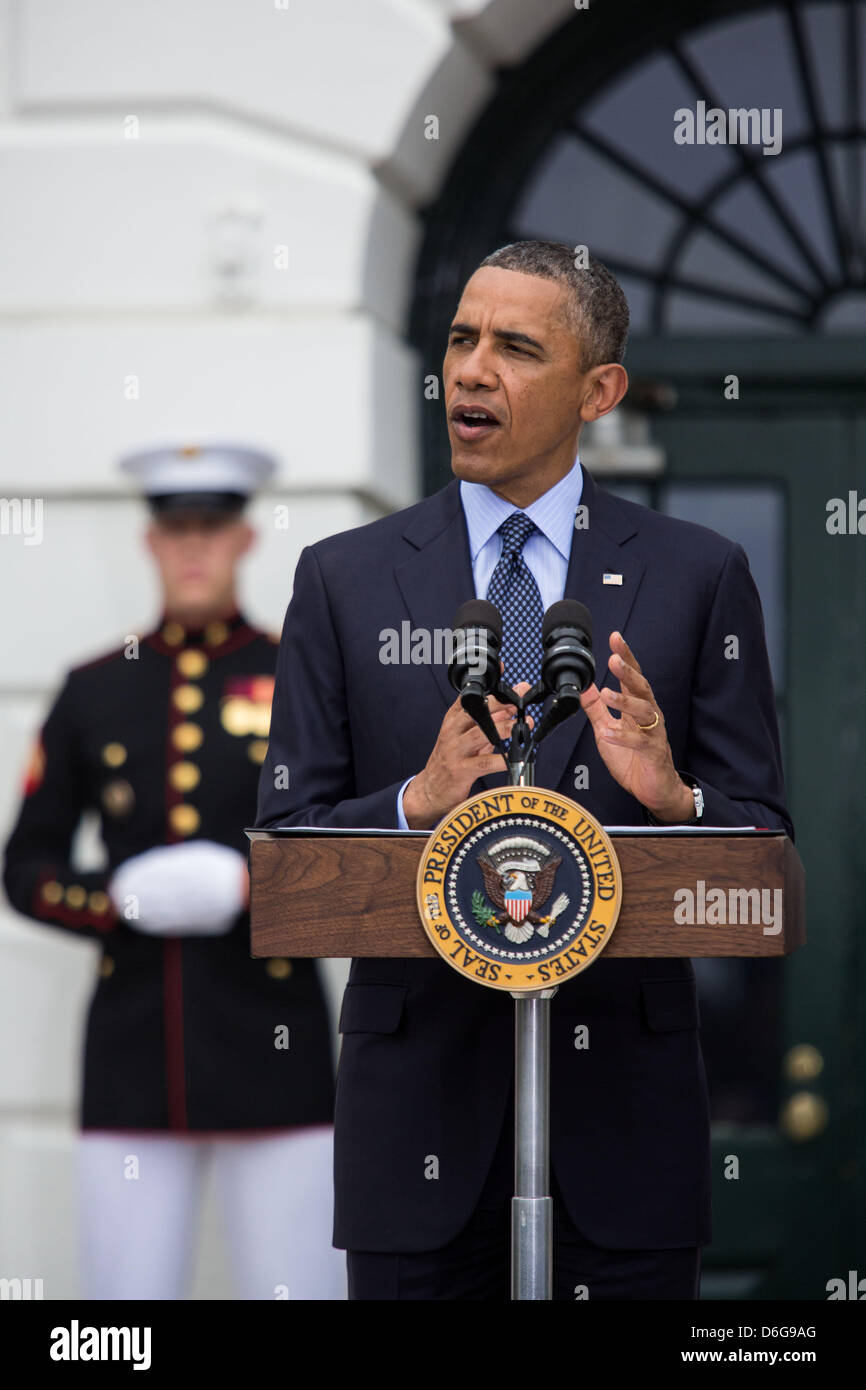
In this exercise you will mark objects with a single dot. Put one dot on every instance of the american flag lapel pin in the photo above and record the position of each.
(608, 578)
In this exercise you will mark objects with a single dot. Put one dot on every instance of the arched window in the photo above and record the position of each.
(580, 145)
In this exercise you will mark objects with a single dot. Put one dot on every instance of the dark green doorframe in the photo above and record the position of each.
(800, 420)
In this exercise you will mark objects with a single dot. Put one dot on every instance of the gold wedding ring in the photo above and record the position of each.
(646, 727)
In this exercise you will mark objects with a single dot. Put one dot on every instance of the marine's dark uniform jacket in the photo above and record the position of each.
(164, 739)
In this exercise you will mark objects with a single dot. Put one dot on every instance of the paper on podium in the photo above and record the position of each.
(425, 834)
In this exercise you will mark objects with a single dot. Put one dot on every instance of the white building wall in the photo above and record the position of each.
(208, 226)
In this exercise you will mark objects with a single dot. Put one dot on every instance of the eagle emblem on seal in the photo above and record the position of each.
(518, 874)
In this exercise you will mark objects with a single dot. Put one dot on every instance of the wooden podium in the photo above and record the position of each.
(345, 893)
(352, 893)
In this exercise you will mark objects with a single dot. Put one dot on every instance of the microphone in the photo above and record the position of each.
(474, 667)
(568, 665)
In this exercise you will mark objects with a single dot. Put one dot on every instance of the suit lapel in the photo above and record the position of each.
(598, 550)
(438, 577)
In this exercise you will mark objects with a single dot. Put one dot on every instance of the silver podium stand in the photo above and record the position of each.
(532, 1204)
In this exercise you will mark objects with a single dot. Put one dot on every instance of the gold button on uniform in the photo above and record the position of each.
(114, 755)
(188, 698)
(184, 820)
(106, 967)
(192, 663)
(173, 634)
(235, 715)
(76, 896)
(117, 797)
(52, 892)
(187, 737)
(260, 718)
(99, 902)
(279, 969)
(184, 776)
(258, 749)
(215, 634)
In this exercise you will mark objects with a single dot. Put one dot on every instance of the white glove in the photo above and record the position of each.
(195, 889)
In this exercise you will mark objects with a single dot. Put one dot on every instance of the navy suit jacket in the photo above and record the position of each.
(426, 1063)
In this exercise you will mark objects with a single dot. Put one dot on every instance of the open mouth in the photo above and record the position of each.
(471, 422)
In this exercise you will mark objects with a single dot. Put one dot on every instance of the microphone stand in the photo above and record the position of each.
(520, 755)
(531, 1205)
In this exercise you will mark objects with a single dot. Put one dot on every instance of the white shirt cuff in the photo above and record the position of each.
(402, 823)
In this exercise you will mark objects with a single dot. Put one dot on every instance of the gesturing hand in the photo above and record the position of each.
(635, 746)
(461, 754)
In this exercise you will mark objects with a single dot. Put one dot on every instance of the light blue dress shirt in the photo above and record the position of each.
(546, 552)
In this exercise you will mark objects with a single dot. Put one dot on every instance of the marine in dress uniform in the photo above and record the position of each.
(194, 1050)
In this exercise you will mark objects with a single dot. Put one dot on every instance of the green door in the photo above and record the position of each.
(781, 1038)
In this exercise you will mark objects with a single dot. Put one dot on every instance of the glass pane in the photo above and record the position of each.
(796, 179)
(741, 1037)
(637, 113)
(822, 26)
(755, 517)
(707, 258)
(741, 1001)
(639, 294)
(578, 197)
(848, 173)
(744, 211)
(692, 313)
(751, 62)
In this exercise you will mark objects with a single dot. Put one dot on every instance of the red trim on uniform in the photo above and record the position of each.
(65, 915)
(34, 774)
(241, 637)
(241, 632)
(172, 985)
(265, 1131)
(172, 754)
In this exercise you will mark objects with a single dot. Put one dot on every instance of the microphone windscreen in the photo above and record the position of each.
(477, 612)
(567, 613)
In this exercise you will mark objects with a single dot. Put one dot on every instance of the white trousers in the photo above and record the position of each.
(139, 1212)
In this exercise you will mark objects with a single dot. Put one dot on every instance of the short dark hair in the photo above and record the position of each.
(596, 308)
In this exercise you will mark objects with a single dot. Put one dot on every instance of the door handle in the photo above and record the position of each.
(803, 1063)
(804, 1116)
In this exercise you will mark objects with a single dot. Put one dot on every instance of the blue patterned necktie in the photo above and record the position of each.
(514, 591)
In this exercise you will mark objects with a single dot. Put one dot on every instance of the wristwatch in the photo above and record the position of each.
(699, 804)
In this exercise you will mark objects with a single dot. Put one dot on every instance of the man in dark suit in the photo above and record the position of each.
(674, 729)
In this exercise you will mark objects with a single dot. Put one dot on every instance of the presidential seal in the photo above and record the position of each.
(519, 888)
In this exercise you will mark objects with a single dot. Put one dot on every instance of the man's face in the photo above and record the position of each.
(196, 554)
(512, 355)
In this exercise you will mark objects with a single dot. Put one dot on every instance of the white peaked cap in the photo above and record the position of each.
(205, 468)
